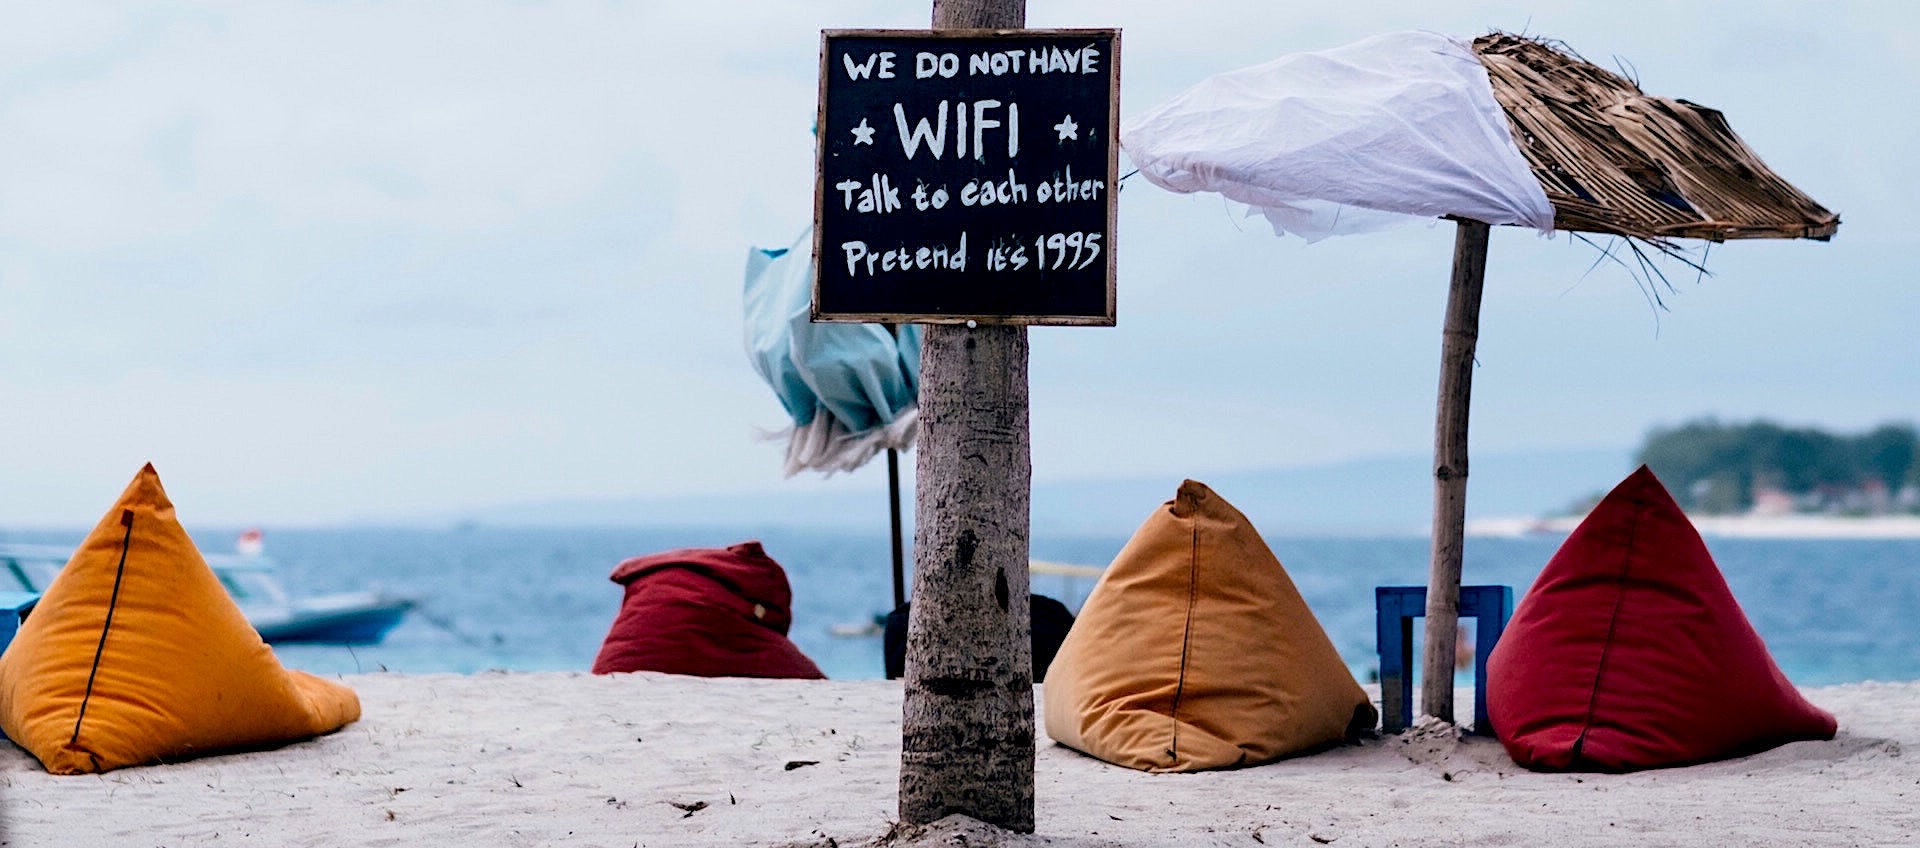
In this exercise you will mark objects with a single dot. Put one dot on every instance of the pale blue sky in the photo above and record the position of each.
(325, 261)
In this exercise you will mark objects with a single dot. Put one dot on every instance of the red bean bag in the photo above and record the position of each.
(710, 612)
(1629, 652)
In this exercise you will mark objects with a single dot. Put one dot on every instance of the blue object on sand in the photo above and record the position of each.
(1395, 609)
(14, 607)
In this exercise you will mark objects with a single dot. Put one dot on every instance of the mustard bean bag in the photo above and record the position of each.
(1195, 651)
(136, 654)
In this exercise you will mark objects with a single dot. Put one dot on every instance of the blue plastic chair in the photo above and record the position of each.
(1395, 609)
(14, 607)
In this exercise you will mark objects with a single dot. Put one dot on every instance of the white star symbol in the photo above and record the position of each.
(863, 134)
(1068, 129)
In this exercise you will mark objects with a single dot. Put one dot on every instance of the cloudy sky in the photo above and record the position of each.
(329, 261)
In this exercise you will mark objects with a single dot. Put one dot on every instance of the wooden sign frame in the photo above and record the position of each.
(1112, 179)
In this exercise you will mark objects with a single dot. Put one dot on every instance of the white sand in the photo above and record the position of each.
(571, 759)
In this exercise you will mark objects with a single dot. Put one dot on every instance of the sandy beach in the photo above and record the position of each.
(519, 759)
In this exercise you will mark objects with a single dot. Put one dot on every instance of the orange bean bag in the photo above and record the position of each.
(1630, 652)
(136, 654)
(1195, 651)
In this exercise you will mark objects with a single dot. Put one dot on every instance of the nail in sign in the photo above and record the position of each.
(966, 176)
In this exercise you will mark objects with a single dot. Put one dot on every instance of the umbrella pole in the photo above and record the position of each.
(899, 559)
(893, 494)
(1450, 467)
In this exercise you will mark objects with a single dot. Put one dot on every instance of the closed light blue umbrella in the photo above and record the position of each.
(852, 390)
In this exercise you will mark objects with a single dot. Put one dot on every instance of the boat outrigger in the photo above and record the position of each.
(351, 618)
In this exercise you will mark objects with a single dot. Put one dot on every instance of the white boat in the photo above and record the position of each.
(352, 618)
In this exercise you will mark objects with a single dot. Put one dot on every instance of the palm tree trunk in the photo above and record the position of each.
(967, 723)
(966, 732)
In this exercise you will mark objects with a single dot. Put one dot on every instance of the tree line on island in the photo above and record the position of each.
(1721, 468)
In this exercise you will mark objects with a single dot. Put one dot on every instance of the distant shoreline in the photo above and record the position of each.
(1729, 526)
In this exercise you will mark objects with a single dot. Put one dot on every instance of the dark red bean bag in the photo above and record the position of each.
(710, 612)
(1630, 652)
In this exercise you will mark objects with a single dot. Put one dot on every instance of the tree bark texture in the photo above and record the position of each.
(1450, 467)
(979, 14)
(966, 732)
(967, 728)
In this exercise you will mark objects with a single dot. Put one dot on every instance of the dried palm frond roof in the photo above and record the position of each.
(1616, 160)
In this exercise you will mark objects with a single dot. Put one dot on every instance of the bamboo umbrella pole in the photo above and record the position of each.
(1450, 466)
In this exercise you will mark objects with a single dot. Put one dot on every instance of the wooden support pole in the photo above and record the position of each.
(1450, 467)
(967, 725)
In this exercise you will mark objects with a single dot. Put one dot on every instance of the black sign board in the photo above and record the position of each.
(966, 175)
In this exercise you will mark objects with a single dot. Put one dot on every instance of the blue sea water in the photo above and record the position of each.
(539, 599)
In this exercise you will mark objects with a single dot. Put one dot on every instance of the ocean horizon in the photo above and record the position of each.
(538, 599)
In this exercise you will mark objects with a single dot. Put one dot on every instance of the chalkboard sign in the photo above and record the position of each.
(966, 175)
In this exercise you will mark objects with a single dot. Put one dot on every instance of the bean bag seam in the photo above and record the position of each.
(1186, 643)
(1613, 620)
(113, 602)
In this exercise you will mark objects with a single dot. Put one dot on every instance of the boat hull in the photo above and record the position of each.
(360, 626)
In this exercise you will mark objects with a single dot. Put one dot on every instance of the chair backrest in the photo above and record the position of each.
(14, 607)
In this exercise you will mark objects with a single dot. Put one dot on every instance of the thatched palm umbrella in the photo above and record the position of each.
(1610, 159)
(1615, 160)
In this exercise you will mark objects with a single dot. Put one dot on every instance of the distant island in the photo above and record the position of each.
(1763, 468)
(1762, 480)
